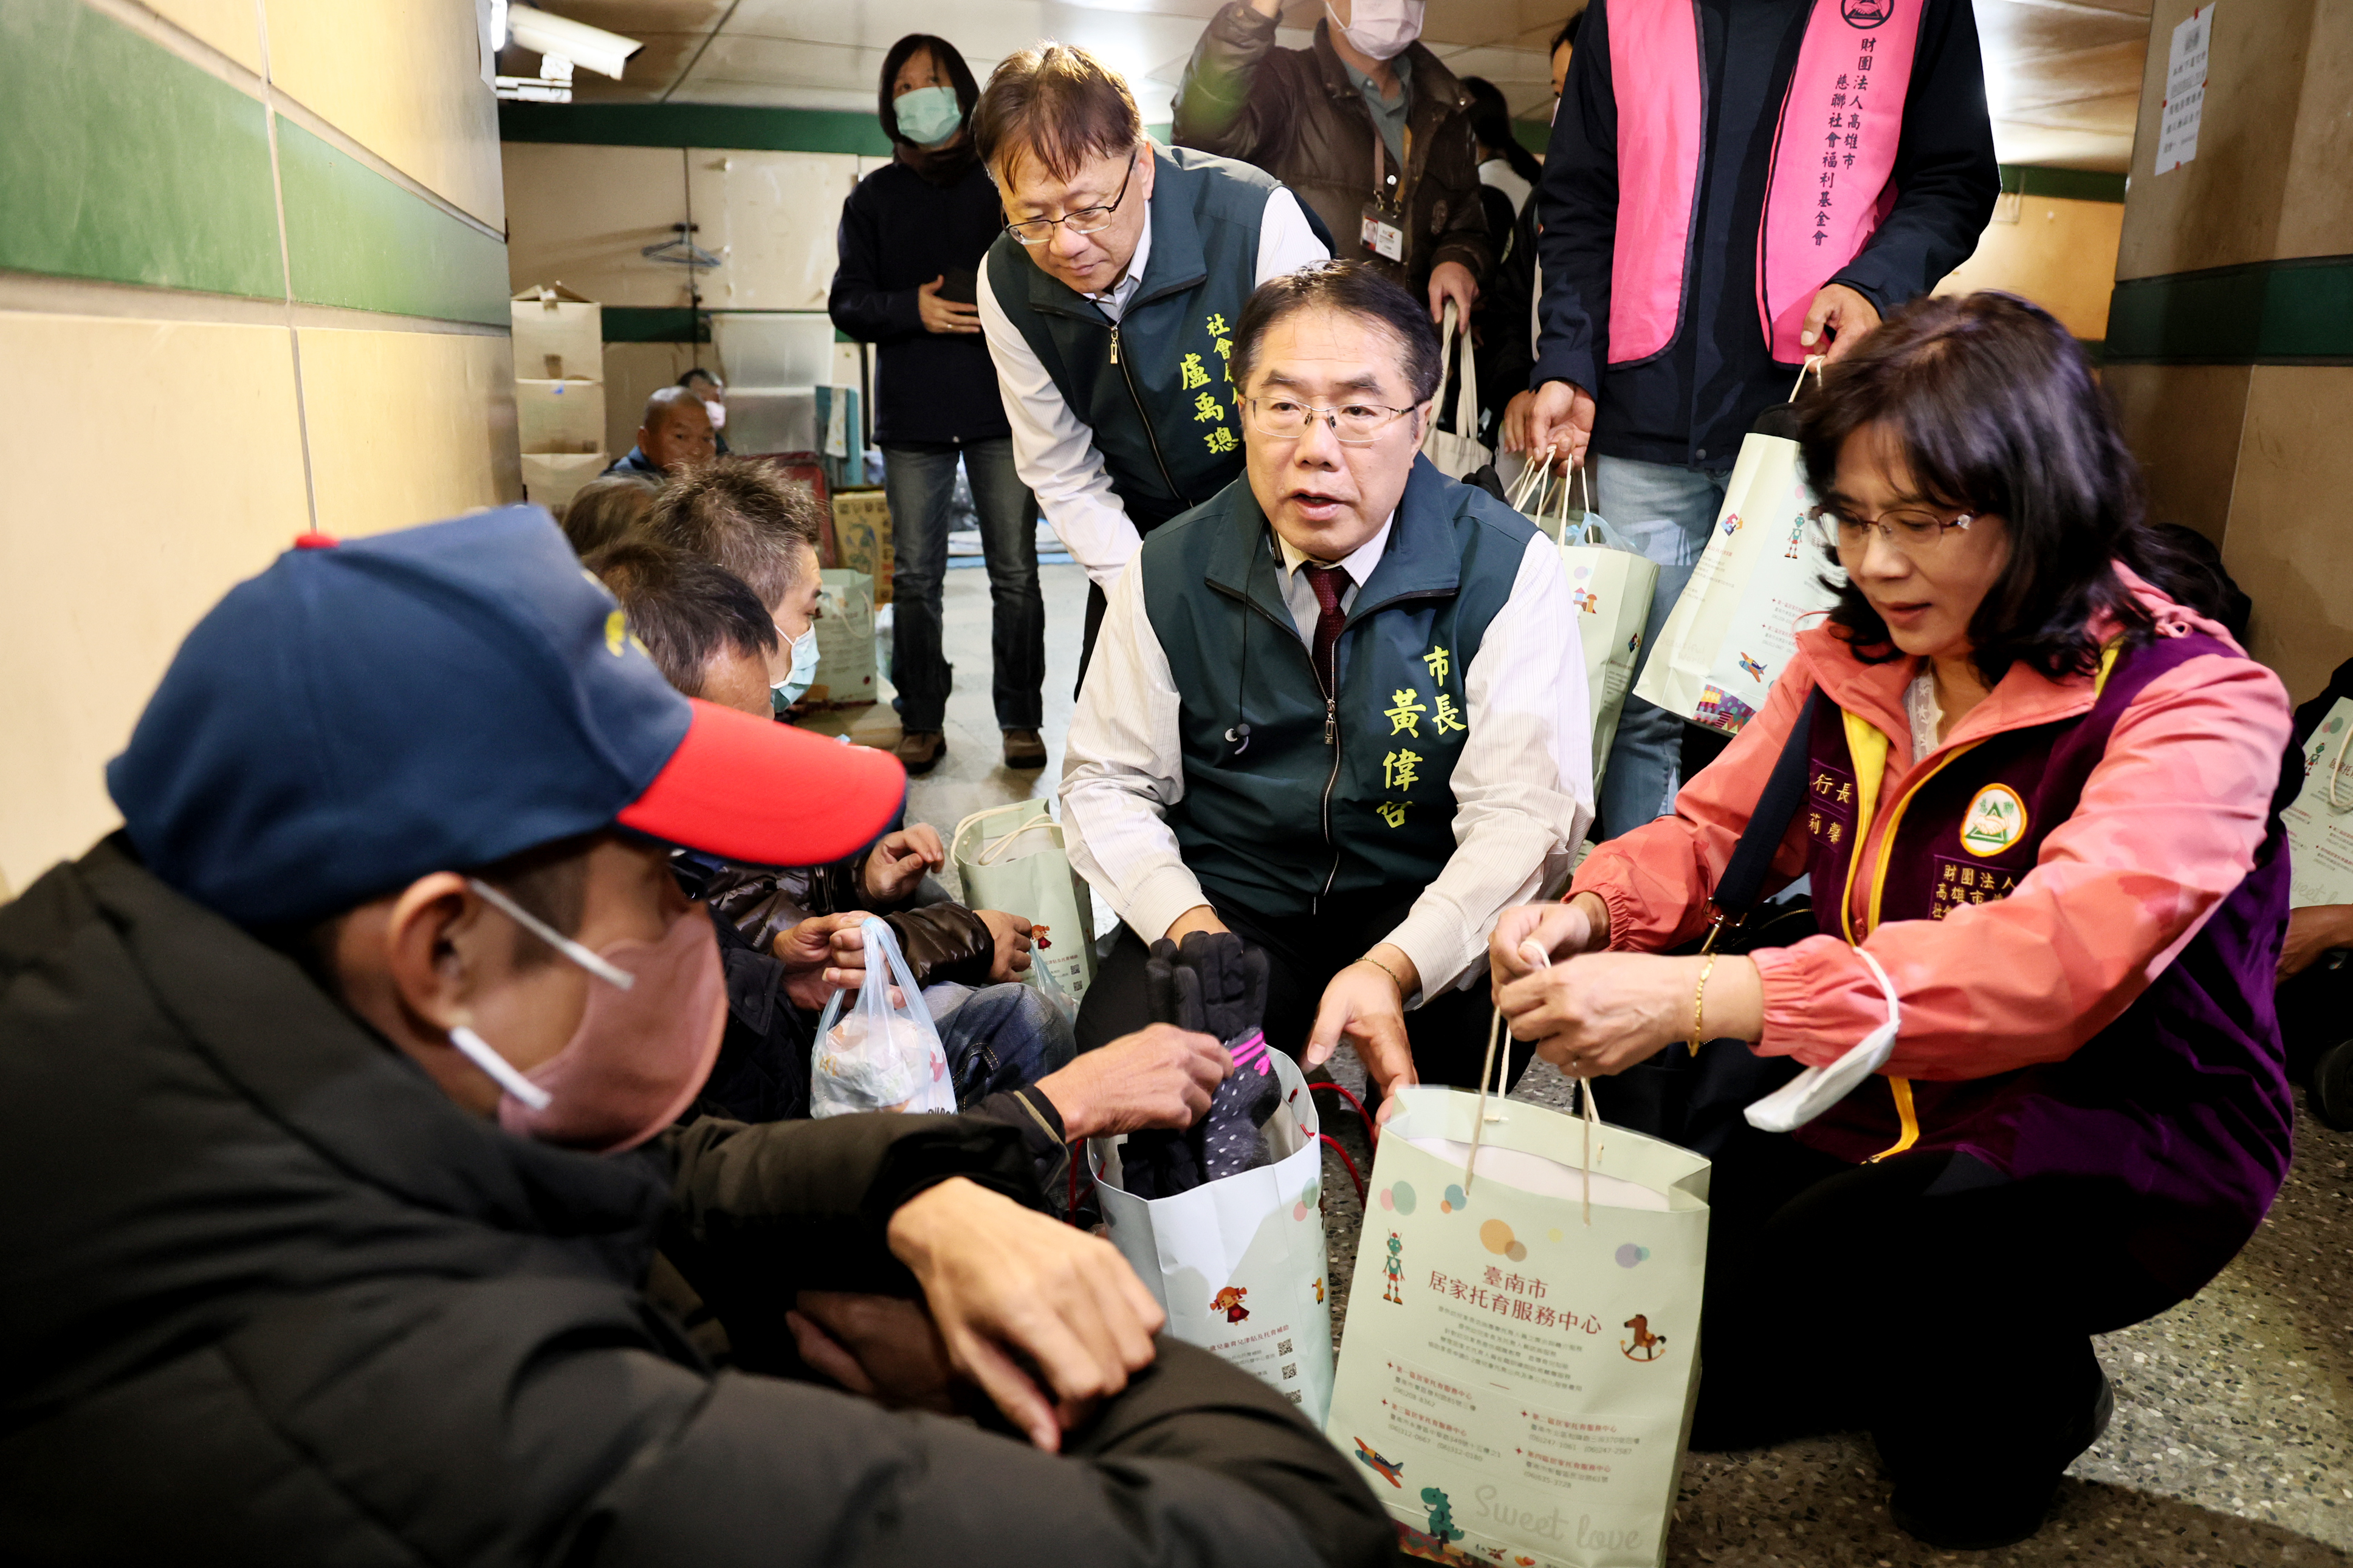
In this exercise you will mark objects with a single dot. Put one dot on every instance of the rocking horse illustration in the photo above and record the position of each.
(1646, 1345)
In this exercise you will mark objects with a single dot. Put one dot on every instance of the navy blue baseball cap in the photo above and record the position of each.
(366, 712)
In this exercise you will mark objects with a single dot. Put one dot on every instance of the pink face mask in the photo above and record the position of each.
(645, 1045)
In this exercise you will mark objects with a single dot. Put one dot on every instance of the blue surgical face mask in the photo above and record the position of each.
(929, 115)
(783, 694)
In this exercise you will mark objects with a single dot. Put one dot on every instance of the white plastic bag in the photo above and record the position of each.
(875, 1056)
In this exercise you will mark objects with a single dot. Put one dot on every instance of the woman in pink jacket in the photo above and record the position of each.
(2039, 796)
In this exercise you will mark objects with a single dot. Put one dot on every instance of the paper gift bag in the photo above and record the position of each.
(1610, 583)
(1515, 1378)
(1456, 453)
(1010, 858)
(845, 639)
(1736, 625)
(1238, 1263)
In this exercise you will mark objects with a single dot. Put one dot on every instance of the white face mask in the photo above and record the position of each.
(1382, 28)
(718, 412)
(783, 694)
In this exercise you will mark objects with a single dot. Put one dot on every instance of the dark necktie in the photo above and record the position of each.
(1329, 583)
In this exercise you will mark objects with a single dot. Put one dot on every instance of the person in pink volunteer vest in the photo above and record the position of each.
(1731, 187)
(2040, 812)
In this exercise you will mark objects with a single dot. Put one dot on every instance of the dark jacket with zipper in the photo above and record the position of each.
(1295, 113)
(898, 232)
(1153, 388)
(1317, 807)
(1690, 404)
(269, 1297)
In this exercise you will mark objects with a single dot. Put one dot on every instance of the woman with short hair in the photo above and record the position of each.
(2040, 806)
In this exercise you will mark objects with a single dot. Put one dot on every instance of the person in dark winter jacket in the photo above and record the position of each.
(1732, 187)
(389, 998)
(912, 239)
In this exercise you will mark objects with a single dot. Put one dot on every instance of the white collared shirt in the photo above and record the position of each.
(1300, 594)
(1523, 785)
(1053, 449)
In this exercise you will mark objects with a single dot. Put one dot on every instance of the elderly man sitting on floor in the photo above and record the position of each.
(1339, 709)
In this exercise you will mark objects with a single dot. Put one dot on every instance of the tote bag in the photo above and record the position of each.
(1238, 1263)
(1736, 625)
(1520, 1387)
(1457, 453)
(1010, 858)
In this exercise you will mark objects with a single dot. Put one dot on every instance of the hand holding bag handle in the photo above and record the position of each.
(1466, 396)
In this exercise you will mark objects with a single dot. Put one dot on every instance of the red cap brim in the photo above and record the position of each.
(763, 793)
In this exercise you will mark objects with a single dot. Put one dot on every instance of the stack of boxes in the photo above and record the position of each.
(559, 359)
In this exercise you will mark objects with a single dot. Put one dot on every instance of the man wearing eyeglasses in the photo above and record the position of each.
(1109, 303)
(1340, 708)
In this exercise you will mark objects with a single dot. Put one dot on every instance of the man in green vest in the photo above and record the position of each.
(1109, 302)
(1339, 709)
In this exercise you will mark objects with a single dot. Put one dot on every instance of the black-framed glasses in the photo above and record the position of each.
(1086, 220)
(1354, 424)
(1914, 531)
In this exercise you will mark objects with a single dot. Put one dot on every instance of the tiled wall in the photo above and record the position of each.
(252, 282)
(2237, 385)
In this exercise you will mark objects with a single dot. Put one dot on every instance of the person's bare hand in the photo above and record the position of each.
(811, 953)
(2311, 930)
(884, 1347)
(1010, 938)
(1561, 417)
(944, 315)
(899, 861)
(1517, 415)
(1598, 1015)
(1560, 930)
(1003, 1281)
(1364, 1005)
(1160, 1076)
(1453, 280)
(1845, 314)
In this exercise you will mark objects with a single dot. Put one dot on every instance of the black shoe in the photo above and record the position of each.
(1978, 1519)
(2332, 1086)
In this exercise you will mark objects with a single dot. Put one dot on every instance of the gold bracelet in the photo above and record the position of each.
(1385, 969)
(1699, 1005)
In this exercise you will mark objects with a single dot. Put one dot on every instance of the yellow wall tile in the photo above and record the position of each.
(2318, 219)
(2287, 545)
(232, 26)
(2059, 254)
(580, 215)
(408, 427)
(404, 81)
(117, 533)
(2183, 422)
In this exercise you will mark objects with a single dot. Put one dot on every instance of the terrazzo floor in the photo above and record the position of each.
(2232, 1442)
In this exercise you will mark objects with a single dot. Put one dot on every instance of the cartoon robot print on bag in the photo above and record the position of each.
(1393, 1272)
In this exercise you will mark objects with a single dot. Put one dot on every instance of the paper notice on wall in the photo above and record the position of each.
(2185, 92)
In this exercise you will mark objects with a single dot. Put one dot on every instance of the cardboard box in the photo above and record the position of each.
(559, 416)
(558, 335)
(552, 479)
(862, 533)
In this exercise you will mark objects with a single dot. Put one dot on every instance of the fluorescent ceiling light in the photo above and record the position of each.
(583, 45)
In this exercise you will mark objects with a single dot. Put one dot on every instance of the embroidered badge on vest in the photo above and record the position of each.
(1996, 820)
(1961, 882)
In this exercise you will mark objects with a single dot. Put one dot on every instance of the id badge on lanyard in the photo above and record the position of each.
(1383, 230)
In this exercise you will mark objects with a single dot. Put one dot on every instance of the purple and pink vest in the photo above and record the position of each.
(1830, 180)
(2183, 1098)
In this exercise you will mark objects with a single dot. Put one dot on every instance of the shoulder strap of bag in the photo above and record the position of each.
(1752, 857)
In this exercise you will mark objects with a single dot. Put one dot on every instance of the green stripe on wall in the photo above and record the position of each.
(694, 125)
(119, 161)
(353, 238)
(2295, 311)
(655, 324)
(2063, 185)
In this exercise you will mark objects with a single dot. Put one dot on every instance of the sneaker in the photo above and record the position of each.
(920, 749)
(1024, 748)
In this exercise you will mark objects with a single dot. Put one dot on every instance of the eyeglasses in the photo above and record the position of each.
(1355, 424)
(1914, 531)
(1086, 220)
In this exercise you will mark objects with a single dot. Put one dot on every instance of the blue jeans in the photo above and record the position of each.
(919, 484)
(997, 1037)
(1664, 510)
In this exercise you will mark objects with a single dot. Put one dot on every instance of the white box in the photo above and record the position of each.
(559, 416)
(558, 335)
(552, 479)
